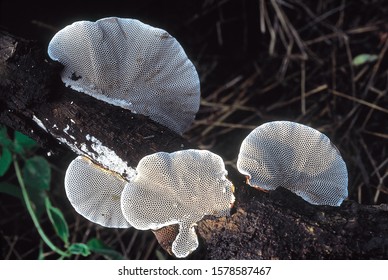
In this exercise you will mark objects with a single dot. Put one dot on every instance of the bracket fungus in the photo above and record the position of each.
(169, 189)
(296, 157)
(95, 192)
(130, 64)
(177, 188)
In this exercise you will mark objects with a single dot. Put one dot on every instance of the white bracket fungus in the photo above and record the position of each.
(95, 193)
(130, 64)
(177, 188)
(296, 157)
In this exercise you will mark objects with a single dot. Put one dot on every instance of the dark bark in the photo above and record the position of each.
(263, 226)
(280, 225)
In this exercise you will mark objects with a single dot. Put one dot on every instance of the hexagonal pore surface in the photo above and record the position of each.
(130, 64)
(95, 192)
(296, 157)
(177, 188)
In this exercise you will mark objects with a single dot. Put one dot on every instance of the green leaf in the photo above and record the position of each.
(5, 160)
(10, 189)
(364, 58)
(23, 143)
(97, 246)
(37, 173)
(79, 249)
(58, 221)
(4, 139)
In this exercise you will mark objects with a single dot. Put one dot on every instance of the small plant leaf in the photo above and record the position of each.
(23, 143)
(97, 246)
(58, 221)
(79, 249)
(364, 58)
(4, 139)
(37, 173)
(10, 189)
(5, 160)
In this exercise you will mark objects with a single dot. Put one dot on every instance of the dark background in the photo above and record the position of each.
(254, 59)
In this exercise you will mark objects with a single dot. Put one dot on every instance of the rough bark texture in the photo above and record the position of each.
(278, 225)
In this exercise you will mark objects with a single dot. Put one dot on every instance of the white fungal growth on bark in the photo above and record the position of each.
(108, 158)
(39, 123)
(132, 65)
(66, 129)
(177, 188)
(296, 157)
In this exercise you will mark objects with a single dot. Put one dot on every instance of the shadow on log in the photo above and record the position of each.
(278, 225)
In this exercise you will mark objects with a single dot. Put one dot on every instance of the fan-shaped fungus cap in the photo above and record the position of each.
(95, 192)
(130, 64)
(296, 157)
(177, 188)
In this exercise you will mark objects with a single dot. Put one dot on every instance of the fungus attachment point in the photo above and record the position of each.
(166, 236)
(95, 192)
(130, 64)
(177, 188)
(296, 157)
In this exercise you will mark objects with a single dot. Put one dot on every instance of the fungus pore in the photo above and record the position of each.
(177, 188)
(296, 157)
(130, 64)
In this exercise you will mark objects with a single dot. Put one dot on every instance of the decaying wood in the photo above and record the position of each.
(263, 226)
(280, 225)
